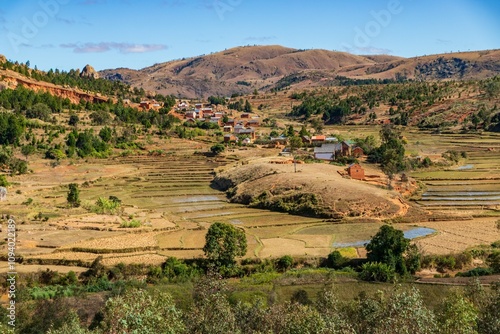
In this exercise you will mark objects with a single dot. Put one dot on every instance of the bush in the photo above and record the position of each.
(377, 272)
(493, 261)
(476, 272)
(131, 224)
(284, 263)
(335, 260)
(3, 181)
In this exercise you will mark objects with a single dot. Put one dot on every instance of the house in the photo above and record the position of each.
(183, 105)
(198, 106)
(190, 114)
(228, 128)
(246, 141)
(253, 122)
(145, 105)
(331, 151)
(249, 132)
(356, 172)
(326, 151)
(346, 147)
(231, 122)
(357, 152)
(216, 120)
(281, 140)
(306, 140)
(245, 115)
(230, 138)
(318, 139)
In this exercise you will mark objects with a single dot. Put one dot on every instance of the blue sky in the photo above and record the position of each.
(69, 34)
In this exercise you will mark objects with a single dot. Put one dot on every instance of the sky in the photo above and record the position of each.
(68, 34)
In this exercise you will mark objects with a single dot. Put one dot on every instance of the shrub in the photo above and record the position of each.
(131, 224)
(493, 261)
(335, 260)
(476, 272)
(73, 195)
(284, 263)
(3, 181)
(377, 272)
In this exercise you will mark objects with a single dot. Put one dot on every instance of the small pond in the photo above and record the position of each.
(410, 234)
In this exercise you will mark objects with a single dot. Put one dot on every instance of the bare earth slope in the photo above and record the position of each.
(316, 189)
(244, 69)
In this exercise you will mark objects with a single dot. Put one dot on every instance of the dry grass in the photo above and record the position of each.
(275, 247)
(125, 241)
(457, 236)
(149, 259)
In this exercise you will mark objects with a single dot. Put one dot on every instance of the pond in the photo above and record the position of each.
(410, 234)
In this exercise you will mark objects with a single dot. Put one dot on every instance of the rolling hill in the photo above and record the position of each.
(244, 69)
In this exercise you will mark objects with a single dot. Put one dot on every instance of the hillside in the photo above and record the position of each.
(244, 69)
(316, 190)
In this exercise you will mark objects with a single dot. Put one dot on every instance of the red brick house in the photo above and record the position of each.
(357, 152)
(356, 172)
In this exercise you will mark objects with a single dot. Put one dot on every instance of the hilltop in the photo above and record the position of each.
(244, 69)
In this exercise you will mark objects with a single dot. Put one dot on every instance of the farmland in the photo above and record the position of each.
(173, 199)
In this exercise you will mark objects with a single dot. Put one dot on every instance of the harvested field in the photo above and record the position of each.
(457, 236)
(275, 247)
(129, 241)
(174, 192)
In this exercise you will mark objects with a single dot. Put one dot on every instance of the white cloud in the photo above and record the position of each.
(108, 46)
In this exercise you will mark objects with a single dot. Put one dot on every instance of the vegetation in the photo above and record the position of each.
(73, 197)
(223, 243)
(387, 250)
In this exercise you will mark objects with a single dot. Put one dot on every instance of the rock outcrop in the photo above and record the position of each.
(89, 72)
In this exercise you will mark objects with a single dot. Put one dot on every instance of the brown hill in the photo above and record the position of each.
(244, 69)
(11, 79)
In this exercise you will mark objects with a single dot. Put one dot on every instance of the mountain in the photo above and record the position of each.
(244, 69)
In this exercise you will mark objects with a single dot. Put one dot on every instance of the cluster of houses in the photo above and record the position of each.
(235, 129)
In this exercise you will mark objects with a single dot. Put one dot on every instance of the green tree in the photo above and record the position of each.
(73, 120)
(138, 311)
(248, 107)
(217, 149)
(27, 150)
(73, 195)
(106, 134)
(211, 312)
(224, 242)
(457, 315)
(70, 326)
(391, 153)
(389, 246)
(3, 181)
(40, 111)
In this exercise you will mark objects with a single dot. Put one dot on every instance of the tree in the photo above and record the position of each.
(217, 149)
(138, 311)
(27, 150)
(73, 195)
(106, 134)
(73, 120)
(389, 246)
(457, 315)
(248, 107)
(3, 181)
(223, 242)
(391, 153)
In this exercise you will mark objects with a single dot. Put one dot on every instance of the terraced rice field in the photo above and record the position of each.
(472, 186)
(172, 197)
